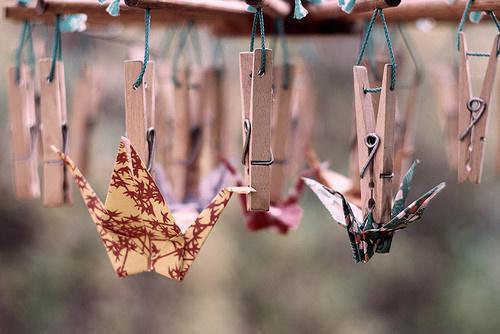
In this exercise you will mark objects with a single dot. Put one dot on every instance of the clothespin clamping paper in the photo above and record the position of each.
(371, 228)
(473, 110)
(56, 187)
(256, 79)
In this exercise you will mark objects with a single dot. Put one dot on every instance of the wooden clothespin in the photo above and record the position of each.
(196, 128)
(473, 112)
(164, 118)
(214, 119)
(177, 169)
(303, 109)
(282, 98)
(256, 93)
(84, 112)
(375, 136)
(140, 108)
(23, 132)
(56, 185)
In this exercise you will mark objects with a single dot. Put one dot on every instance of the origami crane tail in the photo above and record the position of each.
(95, 207)
(197, 233)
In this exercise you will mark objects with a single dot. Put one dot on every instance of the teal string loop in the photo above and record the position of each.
(26, 39)
(464, 19)
(259, 17)
(56, 50)
(147, 26)
(364, 44)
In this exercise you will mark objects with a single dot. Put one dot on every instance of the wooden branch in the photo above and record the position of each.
(331, 9)
(274, 8)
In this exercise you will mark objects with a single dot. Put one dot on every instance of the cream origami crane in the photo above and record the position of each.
(135, 224)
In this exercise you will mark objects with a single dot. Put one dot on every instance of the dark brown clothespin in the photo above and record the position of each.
(473, 112)
(375, 137)
(56, 185)
(23, 132)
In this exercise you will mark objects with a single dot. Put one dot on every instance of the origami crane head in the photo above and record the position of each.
(135, 224)
(365, 235)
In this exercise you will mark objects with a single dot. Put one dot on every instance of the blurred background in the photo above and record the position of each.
(442, 275)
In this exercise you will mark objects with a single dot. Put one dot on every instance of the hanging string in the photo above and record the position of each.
(195, 43)
(56, 50)
(259, 17)
(26, 39)
(364, 44)
(177, 55)
(147, 26)
(464, 19)
(280, 29)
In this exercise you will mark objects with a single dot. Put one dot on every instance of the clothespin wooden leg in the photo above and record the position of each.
(480, 129)
(23, 133)
(384, 159)
(135, 109)
(180, 147)
(280, 128)
(85, 109)
(56, 188)
(257, 137)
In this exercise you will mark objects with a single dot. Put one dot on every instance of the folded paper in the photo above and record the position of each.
(135, 224)
(365, 235)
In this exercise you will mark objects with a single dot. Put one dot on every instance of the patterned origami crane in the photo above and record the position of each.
(365, 235)
(135, 224)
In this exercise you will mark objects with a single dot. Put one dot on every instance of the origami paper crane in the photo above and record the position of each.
(365, 235)
(283, 216)
(135, 224)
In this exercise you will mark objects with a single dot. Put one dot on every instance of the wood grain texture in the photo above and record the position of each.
(480, 129)
(384, 158)
(464, 94)
(135, 109)
(21, 110)
(365, 123)
(260, 139)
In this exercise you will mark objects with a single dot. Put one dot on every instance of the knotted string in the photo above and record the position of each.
(259, 18)
(147, 26)
(56, 50)
(364, 44)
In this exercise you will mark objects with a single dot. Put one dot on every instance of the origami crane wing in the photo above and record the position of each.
(136, 226)
(335, 203)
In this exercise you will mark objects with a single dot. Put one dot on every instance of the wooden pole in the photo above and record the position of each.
(408, 10)
(274, 8)
(331, 9)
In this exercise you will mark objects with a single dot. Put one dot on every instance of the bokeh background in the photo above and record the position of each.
(442, 275)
